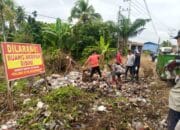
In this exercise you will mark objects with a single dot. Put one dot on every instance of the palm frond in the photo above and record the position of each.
(50, 33)
(96, 16)
(75, 12)
(137, 26)
(90, 9)
(83, 11)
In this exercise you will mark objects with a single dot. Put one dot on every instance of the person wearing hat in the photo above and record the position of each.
(174, 99)
(178, 38)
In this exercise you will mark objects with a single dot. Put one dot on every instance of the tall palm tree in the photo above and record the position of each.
(127, 29)
(7, 14)
(84, 12)
(20, 16)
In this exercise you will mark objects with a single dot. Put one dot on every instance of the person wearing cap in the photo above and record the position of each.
(174, 100)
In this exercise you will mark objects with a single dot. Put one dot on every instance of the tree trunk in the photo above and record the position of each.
(3, 24)
(117, 45)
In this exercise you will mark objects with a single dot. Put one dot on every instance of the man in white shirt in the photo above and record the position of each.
(130, 64)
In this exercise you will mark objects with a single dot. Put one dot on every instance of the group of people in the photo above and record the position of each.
(117, 68)
(133, 65)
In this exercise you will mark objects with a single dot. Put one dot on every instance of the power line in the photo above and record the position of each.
(156, 19)
(161, 22)
(143, 8)
(140, 4)
(139, 7)
(129, 11)
(139, 11)
(42, 15)
(154, 27)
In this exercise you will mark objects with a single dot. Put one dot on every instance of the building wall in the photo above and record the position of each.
(152, 47)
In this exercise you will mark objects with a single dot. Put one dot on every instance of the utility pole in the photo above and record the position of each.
(129, 14)
(119, 21)
(129, 10)
(153, 25)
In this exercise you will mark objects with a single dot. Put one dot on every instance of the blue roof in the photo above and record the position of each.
(150, 46)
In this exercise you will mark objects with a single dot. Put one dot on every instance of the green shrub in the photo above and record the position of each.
(26, 119)
(21, 85)
(64, 94)
(55, 60)
(0, 58)
(3, 87)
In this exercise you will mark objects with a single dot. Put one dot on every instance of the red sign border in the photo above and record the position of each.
(5, 63)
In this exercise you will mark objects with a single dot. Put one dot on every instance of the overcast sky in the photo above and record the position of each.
(165, 14)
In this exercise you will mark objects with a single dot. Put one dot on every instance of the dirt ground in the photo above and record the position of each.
(120, 115)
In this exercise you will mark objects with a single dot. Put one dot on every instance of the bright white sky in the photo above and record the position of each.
(165, 14)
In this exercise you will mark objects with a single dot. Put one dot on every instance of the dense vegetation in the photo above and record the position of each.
(76, 104)
(77, 40)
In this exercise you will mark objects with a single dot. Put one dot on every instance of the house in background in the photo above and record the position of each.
(135, 45)
(150, 46)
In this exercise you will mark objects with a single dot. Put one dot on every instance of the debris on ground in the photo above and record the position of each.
(73, 101)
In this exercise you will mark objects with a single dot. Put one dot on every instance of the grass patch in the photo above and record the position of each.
(68, 103)
(32, 103)
(3, 87)
(20, 86)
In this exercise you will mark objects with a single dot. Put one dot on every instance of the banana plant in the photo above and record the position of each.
(55, 34)
(103, 48)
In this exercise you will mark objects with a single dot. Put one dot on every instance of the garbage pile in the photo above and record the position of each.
(137, 102)
(137, 94)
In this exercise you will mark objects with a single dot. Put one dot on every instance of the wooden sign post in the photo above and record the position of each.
(9, 96)
(21, 60)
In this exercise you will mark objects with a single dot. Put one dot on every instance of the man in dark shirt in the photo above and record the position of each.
(137, 63)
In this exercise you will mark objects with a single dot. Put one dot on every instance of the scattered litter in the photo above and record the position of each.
(40, 105)
(101, 108)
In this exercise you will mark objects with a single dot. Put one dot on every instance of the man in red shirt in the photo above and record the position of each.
(93, 62)
(118, 57)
